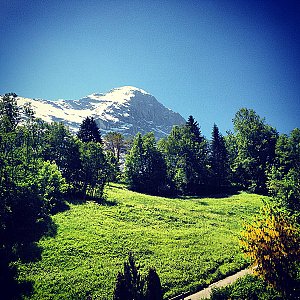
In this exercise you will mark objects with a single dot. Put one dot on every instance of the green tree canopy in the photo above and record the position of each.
(186, 155)
(145, 169)
(255, 142)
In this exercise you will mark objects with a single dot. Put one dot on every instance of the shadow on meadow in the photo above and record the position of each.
(26, 252)
(78, 200)
(217, 194)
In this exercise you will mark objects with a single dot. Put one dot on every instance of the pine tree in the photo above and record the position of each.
(89, 131)
(9, 112)
(194, 128)
(218, 159)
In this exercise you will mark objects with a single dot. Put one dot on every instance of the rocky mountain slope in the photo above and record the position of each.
(125, 109)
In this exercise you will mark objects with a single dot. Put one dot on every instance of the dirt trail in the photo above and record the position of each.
(205, 294)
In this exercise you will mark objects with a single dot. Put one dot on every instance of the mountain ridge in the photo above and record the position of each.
(124, 109)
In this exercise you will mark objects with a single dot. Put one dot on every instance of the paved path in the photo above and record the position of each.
(205, 294)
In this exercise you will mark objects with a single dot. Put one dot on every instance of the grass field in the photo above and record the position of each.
(191, 242)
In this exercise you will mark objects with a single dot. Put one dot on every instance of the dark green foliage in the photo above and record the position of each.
(284, 176)
(94, 169)
(29, 189)
(112, 169)
(153, 286)
(130, 285)
(89, 131)
(219, 162)
(9, 112)
(255, 142)
(186, 153)
(121, 291)
(288, 151)
(60, 146)
(249, 287)
(145, 168)
(194, 129)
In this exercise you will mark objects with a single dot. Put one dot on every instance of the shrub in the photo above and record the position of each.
(130, 285)
(272, 243)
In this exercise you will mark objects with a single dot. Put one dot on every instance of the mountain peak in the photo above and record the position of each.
(125, 109)
(129, 89)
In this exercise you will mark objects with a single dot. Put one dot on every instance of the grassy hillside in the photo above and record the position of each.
(190, 242)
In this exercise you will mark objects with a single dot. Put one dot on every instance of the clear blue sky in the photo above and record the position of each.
(201, 58)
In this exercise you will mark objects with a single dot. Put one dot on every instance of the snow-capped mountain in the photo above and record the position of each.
(125, 109)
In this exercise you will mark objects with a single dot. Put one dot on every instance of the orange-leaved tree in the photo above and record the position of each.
(272, 243)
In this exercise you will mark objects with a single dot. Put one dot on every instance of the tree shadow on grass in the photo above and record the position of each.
(78, 200)
(217, 194)
(10, 287)
(26, 252)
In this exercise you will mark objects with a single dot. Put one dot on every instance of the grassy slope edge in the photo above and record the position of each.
(191, 242)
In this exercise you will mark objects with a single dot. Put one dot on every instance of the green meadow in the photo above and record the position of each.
(190, 241)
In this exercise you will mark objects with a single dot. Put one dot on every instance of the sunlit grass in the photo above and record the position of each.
(191, 242)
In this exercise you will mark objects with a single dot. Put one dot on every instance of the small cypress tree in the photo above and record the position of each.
(153, 286)
(133, 279)
(129, 284)
(121, 290)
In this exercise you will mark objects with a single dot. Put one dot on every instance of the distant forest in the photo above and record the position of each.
(43, 166)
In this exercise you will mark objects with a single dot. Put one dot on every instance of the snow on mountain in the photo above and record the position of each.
(125, 109)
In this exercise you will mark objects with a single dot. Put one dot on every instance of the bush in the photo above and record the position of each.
(272, 243)
(51, 186)
(130, 285)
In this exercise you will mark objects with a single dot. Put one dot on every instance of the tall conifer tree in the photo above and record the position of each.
(89, 131)
(218, 159)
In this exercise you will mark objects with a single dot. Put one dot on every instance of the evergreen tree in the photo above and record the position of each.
(194, 128)
(218, 159)
(89, 131)
(9, 112)
(121, 290)
(130, 284)
(153, 286)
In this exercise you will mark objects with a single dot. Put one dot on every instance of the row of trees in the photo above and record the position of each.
(253, 157)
